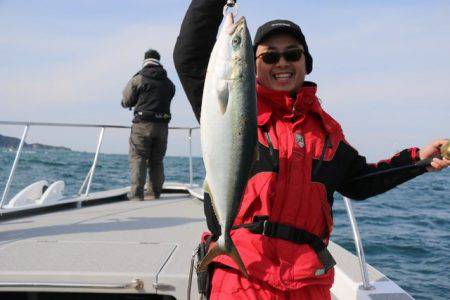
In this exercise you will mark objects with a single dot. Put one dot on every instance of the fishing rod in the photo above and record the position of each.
(444, 153)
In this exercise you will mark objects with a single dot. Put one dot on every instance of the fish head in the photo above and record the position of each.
(231, 68)
(235, 53)
(242, 56)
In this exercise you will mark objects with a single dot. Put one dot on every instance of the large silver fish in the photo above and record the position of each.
(228, 129)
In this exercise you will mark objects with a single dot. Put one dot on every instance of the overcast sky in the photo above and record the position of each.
(383, 67)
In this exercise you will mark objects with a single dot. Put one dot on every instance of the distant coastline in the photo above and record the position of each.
(11, 143)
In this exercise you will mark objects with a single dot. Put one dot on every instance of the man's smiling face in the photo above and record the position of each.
(283, 75)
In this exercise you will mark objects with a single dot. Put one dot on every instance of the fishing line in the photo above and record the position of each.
(444, 153)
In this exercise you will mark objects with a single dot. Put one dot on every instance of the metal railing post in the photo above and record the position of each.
(13, 169)
(88, 175)
(191, 172)
(94, 164)
(359, 247)
(85, 186)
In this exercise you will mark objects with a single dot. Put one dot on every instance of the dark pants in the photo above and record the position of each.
(148, 144)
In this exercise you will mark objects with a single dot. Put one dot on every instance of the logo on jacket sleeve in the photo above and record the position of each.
(299, 140)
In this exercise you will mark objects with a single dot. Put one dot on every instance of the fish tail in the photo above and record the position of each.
(216, 250)
(234, 254)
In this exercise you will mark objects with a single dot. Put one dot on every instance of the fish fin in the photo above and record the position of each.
(215, 250)
(206, 188)
(238, 260)
(222, 96)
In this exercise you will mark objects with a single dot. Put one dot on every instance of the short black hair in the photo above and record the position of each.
(151, 53)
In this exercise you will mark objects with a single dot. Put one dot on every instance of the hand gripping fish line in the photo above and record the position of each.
(231, 5)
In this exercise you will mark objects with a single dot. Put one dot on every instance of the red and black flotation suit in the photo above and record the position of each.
(303, 160)
(285, 219)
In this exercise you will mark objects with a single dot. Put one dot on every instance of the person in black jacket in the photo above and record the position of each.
(150, 92)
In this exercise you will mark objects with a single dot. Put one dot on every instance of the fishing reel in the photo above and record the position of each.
(445, 150)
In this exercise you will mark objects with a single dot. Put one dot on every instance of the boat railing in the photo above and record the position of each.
(358, 245)
(86, 185)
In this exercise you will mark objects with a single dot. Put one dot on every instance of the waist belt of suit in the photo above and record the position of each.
(152, 116)
(262, 225)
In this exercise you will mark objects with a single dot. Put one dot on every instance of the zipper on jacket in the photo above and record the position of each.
(269, 142)
(294, 100)
(273, 159)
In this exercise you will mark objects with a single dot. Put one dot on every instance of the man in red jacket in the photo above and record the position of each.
(285, 220)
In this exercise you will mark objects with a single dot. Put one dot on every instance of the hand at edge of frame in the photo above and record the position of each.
(433, 149)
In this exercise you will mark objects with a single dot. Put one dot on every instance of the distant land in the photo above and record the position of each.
(12, 143)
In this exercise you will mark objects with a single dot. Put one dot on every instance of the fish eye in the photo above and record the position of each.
(236, 41)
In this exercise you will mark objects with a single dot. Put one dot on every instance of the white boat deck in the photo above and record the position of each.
(103, 248)
(108, 243)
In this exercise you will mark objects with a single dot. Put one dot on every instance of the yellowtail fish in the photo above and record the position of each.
(228, 130)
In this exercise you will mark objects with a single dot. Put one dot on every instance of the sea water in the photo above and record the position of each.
(405, 232)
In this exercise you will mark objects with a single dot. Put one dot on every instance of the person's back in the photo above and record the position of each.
(150, 92)
(154, 95)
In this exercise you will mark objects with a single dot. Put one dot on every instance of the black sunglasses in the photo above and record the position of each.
(272, 57)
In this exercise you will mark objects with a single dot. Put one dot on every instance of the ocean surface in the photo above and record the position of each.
(406, 231)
